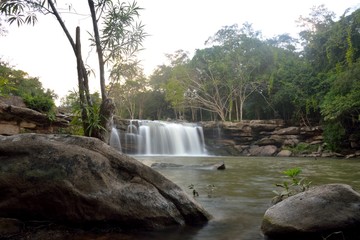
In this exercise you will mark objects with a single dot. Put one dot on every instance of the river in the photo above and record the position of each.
(240, 194)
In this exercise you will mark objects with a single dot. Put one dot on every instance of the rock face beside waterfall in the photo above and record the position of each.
(260, 138)
(322, 211)
(83, 182)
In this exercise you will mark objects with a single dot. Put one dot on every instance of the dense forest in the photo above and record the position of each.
(309, 80)
(243, 76)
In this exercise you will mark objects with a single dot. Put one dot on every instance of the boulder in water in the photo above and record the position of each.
(211, 166)
(315, 214)
(81, 181)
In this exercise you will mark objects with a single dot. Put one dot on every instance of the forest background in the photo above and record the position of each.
(309, 80)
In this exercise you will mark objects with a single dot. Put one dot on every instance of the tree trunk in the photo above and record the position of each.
(80, 72)
(98, 49)
(107, 107)
(241, 109)
(107, 111)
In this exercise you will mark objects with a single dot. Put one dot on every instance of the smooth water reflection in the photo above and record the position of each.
(244, 190)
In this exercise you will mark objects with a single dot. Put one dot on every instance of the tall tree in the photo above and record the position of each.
(250, 59)
(116, 42)
(208, 83)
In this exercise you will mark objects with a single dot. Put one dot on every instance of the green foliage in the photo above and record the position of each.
(334, 134)
(41, 103)
(292, 186)
(93, 122)
(94, 119)
(20, 12)
(71, 103)
(303, 148)
(238, 75)
(121, 35)
(18, 83)
(343, 99)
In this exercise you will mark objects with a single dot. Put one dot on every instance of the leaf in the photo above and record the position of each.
(292, 172)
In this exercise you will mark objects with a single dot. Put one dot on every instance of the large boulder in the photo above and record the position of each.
(268, 150)
(315, 214)
(83, 182)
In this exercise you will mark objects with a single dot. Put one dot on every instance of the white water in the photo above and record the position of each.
(115, 139)
(165, 138)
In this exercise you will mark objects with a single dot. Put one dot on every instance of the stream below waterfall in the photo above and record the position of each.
(241, 193)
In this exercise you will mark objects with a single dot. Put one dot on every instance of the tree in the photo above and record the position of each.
(249, 60)
(19, 83)
(208, 82)
(177, 83)
(343, 100)
(314, 34)
(175, 94)
(116, 43)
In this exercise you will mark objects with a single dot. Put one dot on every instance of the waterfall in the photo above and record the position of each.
(165, 138)
(115, 139)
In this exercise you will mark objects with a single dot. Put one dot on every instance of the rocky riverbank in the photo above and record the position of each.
(269, 138)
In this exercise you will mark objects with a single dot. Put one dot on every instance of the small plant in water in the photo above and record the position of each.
(210, 188)
(192, 187)
(292, 187)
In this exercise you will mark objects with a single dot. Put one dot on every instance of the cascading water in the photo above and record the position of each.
(165, 138)
(115, 139)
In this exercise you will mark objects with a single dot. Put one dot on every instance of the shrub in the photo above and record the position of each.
(334, 134)
(41, 103)
(292, 187)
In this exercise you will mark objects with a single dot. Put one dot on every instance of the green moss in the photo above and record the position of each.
(303, 148)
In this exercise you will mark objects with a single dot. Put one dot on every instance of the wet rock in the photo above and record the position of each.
(318, 212)
(273, 140)
(83, 182)
(268, 150)
(288, 131)
(215, 166)
(284, 153)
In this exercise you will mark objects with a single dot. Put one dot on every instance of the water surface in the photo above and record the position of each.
(243, 191)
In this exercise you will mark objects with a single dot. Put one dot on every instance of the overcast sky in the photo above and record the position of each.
(43, 50)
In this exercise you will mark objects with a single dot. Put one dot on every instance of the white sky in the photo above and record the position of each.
(43, 50)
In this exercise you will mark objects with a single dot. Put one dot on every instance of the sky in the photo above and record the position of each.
(43, 51)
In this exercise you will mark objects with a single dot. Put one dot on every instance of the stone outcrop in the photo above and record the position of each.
(83, 182)
(315, 213)
(15, 118)
(259, 138)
